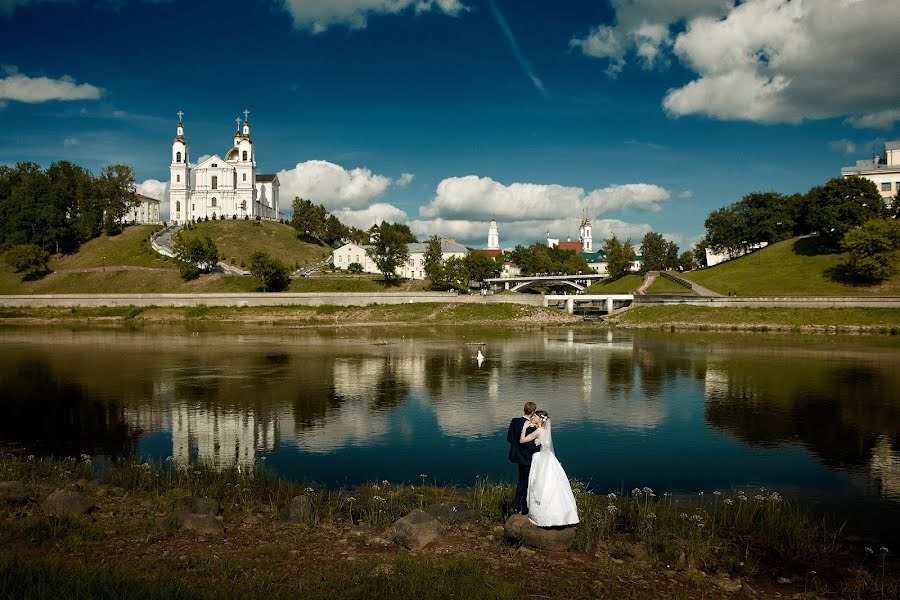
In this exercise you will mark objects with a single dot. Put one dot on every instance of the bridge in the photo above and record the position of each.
(608, 301)
(579, 282)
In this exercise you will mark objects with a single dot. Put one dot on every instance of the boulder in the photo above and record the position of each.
(67, 502)
(202, 524)
(201, 506)
(519, 529)
(13, 492)
(416, 530)
(453, 513)
(298, 509)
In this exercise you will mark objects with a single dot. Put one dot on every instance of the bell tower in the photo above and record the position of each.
(584, 234)
(180, 180)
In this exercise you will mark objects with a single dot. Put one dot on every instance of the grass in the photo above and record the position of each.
(354, 283)
(238, 239)
(623, 285)
(793, 267)
(885, 320)
(667, 286)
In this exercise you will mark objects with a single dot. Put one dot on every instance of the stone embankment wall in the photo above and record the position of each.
(260, 299)
(776, 301)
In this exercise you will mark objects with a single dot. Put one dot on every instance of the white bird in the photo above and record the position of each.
(480, 358)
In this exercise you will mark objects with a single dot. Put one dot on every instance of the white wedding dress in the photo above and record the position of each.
(551, 502)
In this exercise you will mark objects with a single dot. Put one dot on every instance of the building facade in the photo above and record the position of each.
(144, 212)
(220, 187)
(351, 253)
(882, 169)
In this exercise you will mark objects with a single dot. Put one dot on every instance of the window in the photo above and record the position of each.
(885, 186)
(178, 157)
(178, 206)
(245, 155)
(243, 205)
(193, 207)
(213, 201)
(245, 177)
(215, 183)
(214, 165)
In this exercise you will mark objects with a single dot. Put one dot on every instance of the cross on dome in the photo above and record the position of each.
(246, 114)
(180, 114)
(238, 121)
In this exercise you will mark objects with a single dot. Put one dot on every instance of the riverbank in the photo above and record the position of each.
(159, 531)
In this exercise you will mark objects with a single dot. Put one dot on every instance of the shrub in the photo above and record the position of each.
(29, 260)
(246, 217)
(872, 248)
(234, 217)
(273, 276)
(196, 256)
(258, 218)
(354, 268)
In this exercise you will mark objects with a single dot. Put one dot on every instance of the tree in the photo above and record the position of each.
(389, 251)
(28, 259)
(434, 259)
(334, 231)
(671, 255)
(840, 205)
(400, 230)
(700, 252)
(456, 275)
(196, 256)
(873, 248)
(116, 190)
(354, 268)
(481, 266)
(653, 249)
(273, 276)
(619, 257)
(308, 218)
(686, 261)
(757, 218)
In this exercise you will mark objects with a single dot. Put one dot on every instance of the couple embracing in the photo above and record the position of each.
(543, 491)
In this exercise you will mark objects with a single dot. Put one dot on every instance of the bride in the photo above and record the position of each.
(551, 502)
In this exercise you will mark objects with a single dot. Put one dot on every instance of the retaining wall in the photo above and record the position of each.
(776, 301)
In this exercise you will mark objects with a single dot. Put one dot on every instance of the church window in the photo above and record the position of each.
(178, 179)
(213, 201)
(243, 205)
(214, 165)
(245, 155)
(193, 207)
(178, 206)
(245, 177)
(215, 182)
(178, 157)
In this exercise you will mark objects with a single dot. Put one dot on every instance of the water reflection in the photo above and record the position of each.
(627, 409)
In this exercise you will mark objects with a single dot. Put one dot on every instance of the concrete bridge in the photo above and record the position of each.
(608, 301)
(579, 282)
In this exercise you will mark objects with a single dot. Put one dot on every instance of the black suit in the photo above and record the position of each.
(521, 455)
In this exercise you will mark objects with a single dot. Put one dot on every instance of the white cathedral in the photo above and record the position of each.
(217, 187)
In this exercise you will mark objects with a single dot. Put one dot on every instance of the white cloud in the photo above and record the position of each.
(404, 180)
(366, 217)
(202, 158)
(473, 197)
(767, 61)
(155, 188)
(318, 15)
(334, 186)
(69, 142)
(843, 145)
(32, 90)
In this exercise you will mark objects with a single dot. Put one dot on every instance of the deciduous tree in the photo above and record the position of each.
(273, 276)
(872, 249)
(390, 251)
(840, 205)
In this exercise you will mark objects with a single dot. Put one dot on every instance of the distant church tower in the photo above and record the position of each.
(493, 236)
(180, 182)
(584, 234)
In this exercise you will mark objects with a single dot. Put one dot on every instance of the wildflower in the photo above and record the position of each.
(31, 457)
(651, 515)
(196, 472)
(611, 509)
(717, 493)
(699, 493)
(86, 458)
(883, 550)
(376, 487)
(309, 490)
(652, 495)
(868, 550)
(379, 499)
(758, 498)
(775, 497)
(611, 496)
(727, 501)
(351, 499)
(384, 483)
(647, 490)
(636, 492)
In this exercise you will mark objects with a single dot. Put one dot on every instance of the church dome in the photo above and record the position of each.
(232, 154)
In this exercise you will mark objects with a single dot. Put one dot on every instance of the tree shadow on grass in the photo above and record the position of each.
(812, 246)
(845, 275)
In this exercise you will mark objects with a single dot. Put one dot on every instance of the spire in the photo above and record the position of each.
(179, 130)
(246, 130)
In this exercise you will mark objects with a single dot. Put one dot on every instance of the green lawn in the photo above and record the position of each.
(667, 286)
(789, 268)
(238, 239)
(622, 285)
(353, 283)
(131, 247)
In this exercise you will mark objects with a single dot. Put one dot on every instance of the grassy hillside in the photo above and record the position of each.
(238, 239)
(666, 286)
(622, 285)
(789, 268)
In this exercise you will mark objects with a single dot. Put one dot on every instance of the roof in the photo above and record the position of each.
(144, 198)
(446, 246)
(266, 178)
(492, 252)
(895, 145)
(233, 153)
(598, 256)
(573, 246)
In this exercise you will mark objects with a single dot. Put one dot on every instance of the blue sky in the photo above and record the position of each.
(645, 114)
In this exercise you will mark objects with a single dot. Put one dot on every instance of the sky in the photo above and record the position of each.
(642, 114)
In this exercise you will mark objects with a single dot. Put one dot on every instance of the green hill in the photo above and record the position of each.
(793, 267)
(238, 239)
(623, 285)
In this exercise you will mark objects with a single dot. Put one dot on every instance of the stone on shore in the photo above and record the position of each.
(298, 509)
(201, 506)
(13, 492)
(201, 524)
(453, 513)
(519, 529)
(416, 530)
(67, 503)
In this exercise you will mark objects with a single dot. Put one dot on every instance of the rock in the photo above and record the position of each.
(201, 506)
(67, 502)
(526, 551)
(727, 584)
(299, 509)
(453, 513)
(784, 581)
(519, 529)
(202, 524)
(13, 492)
(416, 530)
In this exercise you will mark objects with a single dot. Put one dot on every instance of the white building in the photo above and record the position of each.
(882, 170)
(218, 187)
(351, 253)
(493, 236)
(144, 212)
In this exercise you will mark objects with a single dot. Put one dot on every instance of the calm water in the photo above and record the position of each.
(816, 417)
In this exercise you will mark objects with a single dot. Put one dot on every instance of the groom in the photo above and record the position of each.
(521, 455)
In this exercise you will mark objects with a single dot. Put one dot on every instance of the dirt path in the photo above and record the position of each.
(649, 279)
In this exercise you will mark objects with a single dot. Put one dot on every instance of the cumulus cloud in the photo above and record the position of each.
(767, 61)
(334, 186)
(18, 87)
(366, 217)
(405, 179)
(155, 188)
(473, 197)
(318, 15)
